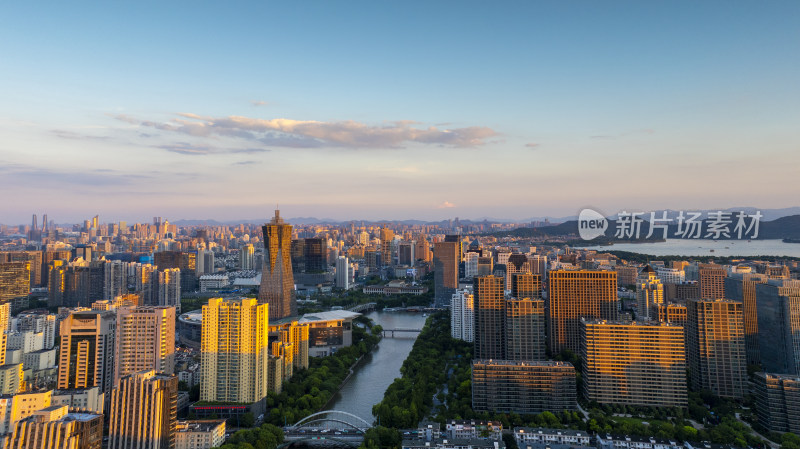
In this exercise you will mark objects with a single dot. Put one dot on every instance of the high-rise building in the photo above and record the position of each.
(711, 278)
(574, 295)
(524, 329)
(15, 281)
(778, 402)
(86, 357)
(145, 340)
(526, 285)
(446, 259)
(742, 287)
(649, 294)
(235, 350)
(186, 262)
(342, 273)
(315, 255)
(54, 427)
(143, 412)
(715, 347)
(462, 315)
(5, 317)
(168, 289)
(247, 260)
(490, 316)
(778, 309)
(277, 282)
(386, 236)
(505, 386)
(634, 363)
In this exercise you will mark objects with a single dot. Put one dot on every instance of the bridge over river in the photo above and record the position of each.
(332, 426)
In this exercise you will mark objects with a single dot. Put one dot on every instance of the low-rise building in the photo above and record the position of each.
(465, 429)
(55, 427)
(635, 442)
(85, 399)
(444, 443)
(199, 434)
(539, 437)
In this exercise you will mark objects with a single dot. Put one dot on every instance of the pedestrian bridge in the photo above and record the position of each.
(400, 331)
(333, 425)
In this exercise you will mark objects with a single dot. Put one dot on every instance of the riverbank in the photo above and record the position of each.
(353, 369)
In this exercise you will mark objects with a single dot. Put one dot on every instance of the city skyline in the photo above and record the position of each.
(424, 113)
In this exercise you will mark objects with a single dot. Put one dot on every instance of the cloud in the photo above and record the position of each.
(202, 150)
(258, 103)
(446, 205)
(532, 145)
(75, 136)
(281, 132)
(246, 163)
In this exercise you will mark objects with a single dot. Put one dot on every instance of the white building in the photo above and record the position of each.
(342, 273)
(462, 315)
(213, 282)
(670, 275)
(45, 323)
(528, 436)
(169, 288)
(247, 257)
(88, 398)
(470, 265)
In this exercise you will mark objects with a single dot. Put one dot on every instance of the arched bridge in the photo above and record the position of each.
(334, 425)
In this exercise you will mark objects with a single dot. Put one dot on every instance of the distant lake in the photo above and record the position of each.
(699, 247)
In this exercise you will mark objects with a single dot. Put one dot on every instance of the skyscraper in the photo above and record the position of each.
(15, 281)
(247, 260)
(778, 304)
(462, 315)
(143, 412)
(490, 316)
(342, 273)
(235, 350)
(715, 347)
(386, 235)
(54, 427)
(778, 402)
(634, 363)
(277, 282)
(524, 329)
(649, 294)
(145, 340)
(446, 258)
(574, 295)
(526, 285)
(86, 358)
(742, 287)
(523, 387)
(712, 281)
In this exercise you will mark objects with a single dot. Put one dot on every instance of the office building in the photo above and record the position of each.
(490, 316)
(247, 258)
(503, 386)
(386, 236)
(524, 329)
(143, 412)
(715, 347)
(526, 285)
(742, 287)
(711, 278)
(343, 273)
(186, 262)
(235, 350)
(649, 294)
(54, 427)
(574, 295)
(462, 315)
(446, 259)
(634, 363)
(87, 344)
(517, 263)
(778, 310)
(15, 281)
(778, 402)
(145, 340)
(277, 281)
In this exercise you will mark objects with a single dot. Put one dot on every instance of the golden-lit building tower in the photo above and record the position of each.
(143, 412)
(716, 350)
(526, 285)
(277, 281)
(490, 316)
(446, 258)
(634, 363)
(524, 329)
(649, 294)
(5, 318)
(386, 236)
(422, 250)
(574, 295)
(54, 427)
(299, 341)
(145, 340)
(517, 263)
(235, 349)
(742, 287)
(15, 281)
(86, 356)
(711, 278)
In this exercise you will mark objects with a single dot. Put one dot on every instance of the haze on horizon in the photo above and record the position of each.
(393, 111)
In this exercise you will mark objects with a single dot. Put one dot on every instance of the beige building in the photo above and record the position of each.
(87, 399)
(19, 406)
(649, 294)
(235, 350)
(86, 358)
(145, 340)
(634, 363)
(55, 428)
(200, 434)
(143, 412)
(12, 379)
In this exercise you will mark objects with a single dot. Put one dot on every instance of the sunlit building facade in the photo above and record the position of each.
(277, 281)
(505, 386)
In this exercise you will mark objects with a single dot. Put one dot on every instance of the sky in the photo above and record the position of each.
(396, 110)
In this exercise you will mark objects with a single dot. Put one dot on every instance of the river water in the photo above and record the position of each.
(379, 368)
(691, 247)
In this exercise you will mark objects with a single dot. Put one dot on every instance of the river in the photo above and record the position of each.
(379, 368)
(691, 247)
